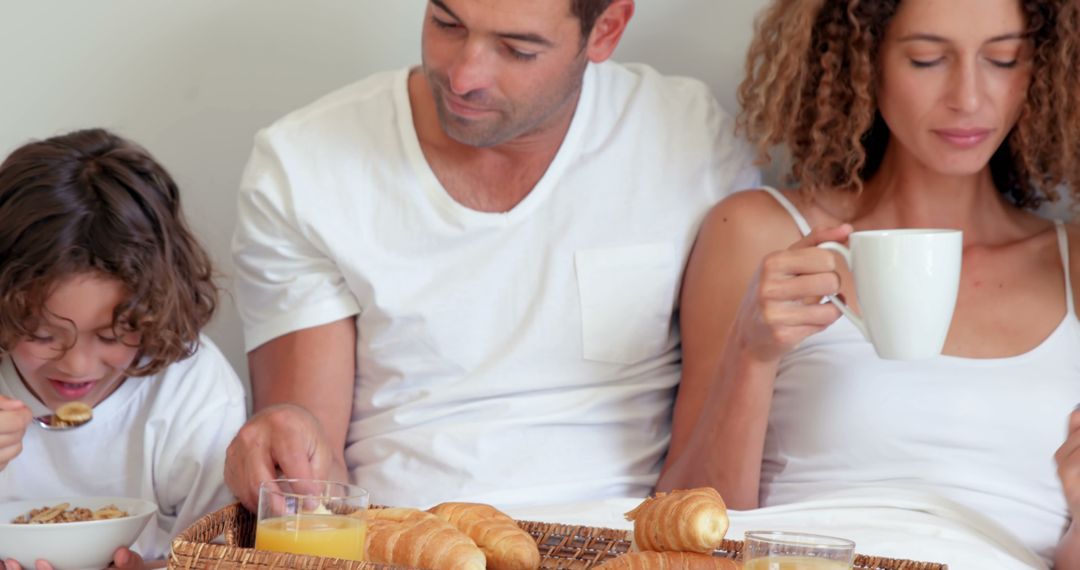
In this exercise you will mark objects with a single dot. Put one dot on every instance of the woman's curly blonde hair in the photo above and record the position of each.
(810, 77)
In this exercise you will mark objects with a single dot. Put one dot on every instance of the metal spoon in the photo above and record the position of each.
(48, 422)
(68, 416)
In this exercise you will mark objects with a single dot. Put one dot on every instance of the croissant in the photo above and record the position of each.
(409, 537)
(693, 520)
(669, 561)
(505, 545)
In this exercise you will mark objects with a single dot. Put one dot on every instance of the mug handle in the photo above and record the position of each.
(847, 312)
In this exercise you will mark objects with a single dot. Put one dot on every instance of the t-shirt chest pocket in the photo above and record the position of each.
(627, 296)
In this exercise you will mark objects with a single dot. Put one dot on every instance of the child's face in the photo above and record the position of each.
(79, 315)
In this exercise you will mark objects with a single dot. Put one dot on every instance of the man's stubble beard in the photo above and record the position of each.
(505, 126)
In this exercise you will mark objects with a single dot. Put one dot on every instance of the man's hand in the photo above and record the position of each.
(14, 417)
(283, 437)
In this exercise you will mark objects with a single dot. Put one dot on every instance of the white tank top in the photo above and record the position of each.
(981, 432)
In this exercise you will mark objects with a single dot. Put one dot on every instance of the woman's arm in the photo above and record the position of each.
(1067, 555)
(742, 308)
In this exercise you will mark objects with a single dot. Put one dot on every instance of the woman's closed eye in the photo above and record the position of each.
(925, 55)
(1005, 59)
(1002, 62)
(926, 62)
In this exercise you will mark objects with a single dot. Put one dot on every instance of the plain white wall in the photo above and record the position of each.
(193, 80)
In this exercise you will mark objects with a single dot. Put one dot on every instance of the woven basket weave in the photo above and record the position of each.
(222, 541)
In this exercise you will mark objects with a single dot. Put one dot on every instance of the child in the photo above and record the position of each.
(103, 292)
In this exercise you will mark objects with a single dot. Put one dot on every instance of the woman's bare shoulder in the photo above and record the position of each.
(752, 215)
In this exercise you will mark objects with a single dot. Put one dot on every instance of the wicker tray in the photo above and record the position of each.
(222, 540)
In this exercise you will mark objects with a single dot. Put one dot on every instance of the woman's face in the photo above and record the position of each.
(954, 76)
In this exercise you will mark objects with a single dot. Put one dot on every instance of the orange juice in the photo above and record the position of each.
(795, 563)
(335, 536)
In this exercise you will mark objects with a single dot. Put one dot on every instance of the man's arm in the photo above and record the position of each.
(314, 368)
(302, 384)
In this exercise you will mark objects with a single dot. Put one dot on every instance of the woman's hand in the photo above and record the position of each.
(783, 305)
(1067, 457)
(1068, 462)
(14, 417)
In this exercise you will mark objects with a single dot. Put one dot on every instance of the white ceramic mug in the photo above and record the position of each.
(907, 281)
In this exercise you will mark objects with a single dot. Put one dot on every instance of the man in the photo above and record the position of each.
(459, 281)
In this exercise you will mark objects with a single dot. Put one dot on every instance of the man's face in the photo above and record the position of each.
(501, 69)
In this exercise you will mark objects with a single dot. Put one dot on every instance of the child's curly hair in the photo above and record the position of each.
(90, 202)
(810, 80)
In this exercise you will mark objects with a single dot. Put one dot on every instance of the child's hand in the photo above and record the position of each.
(127, 560)
(14, 417)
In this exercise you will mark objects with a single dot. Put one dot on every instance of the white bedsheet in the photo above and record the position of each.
(882, 522)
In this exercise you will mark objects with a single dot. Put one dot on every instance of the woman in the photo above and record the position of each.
(915, 113)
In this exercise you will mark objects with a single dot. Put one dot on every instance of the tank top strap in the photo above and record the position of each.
(800, 221)
(1063, 247)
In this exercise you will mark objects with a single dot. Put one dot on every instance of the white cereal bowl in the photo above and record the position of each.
(71, 546)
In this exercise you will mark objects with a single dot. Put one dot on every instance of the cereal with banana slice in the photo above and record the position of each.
(72, 414)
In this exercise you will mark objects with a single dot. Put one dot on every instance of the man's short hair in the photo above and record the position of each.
(587, 12)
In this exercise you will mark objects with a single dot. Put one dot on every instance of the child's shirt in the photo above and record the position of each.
(161, 438)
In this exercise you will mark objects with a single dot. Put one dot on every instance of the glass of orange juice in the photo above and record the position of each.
(782, 550)
(306, 516)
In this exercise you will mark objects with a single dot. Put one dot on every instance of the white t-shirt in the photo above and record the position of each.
(515, 358)
(161, 438)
